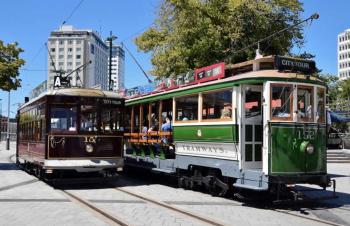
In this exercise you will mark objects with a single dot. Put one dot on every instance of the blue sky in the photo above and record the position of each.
(29, 23)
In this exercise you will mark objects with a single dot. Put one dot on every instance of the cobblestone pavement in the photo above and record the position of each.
(26, 201)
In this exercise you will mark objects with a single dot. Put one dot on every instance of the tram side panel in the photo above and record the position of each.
(211, 146)
(31, 139)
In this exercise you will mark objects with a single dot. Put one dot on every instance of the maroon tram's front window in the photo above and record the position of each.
(63, 119)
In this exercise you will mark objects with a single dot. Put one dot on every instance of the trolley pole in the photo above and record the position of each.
(8, 124)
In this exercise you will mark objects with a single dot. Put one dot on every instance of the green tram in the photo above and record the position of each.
(257, 125)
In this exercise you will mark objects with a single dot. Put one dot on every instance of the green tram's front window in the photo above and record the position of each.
(63, 119)
(281, 102)
(305, 104)
(320, 114)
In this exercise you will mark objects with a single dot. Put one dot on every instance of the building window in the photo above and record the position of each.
(70, 49)
(70, 42)
(92, 47)
(69, 63)
(77, 63)
(60, 63)
(61, 42)
(60, 56)
(78, 41)
(69, 56)
(78, 49)
(61, 49)
(53, 50)
(78, 56)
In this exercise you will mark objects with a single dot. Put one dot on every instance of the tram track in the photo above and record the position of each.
(171, 207)
(117, 221)
(211, 220)
(101, 212)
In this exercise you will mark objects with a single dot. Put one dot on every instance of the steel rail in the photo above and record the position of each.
(95, 208)
(170, 207)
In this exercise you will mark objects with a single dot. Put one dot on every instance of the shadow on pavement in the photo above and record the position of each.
(8, 166)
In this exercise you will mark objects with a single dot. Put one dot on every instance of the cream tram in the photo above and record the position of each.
(257, 125)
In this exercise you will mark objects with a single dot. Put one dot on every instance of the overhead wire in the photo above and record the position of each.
(72, 13)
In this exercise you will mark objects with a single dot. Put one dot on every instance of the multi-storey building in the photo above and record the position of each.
(118, 59)
(344, 55)
(70, 48)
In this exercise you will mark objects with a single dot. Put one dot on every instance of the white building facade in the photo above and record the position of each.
(118, 67)
(71, 48)
(344, 55)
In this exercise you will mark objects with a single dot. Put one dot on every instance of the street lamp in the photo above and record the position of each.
(110, 40)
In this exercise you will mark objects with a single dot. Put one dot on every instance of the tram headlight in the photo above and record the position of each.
(310, 149)
(89, 148)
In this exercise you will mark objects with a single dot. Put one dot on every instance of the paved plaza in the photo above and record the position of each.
(24, 200)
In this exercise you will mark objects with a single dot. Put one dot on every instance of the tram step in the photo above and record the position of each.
(337, 157)
(163, 171)
(339, 161)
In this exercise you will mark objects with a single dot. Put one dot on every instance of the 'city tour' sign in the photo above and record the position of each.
(296, 65)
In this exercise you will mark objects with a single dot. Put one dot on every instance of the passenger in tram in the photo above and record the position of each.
(144, 131)
(226, 113)
(154, 123)
(166, 127)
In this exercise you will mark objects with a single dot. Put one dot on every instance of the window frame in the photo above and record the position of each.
(311, 88)
(324, 104)
(175, 109)
(291, 101)
(217, 119)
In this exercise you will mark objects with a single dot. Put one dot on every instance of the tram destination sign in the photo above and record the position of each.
(296, 65)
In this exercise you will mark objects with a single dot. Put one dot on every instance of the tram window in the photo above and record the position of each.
(136, 119)
(88, 118)
(281, 102)
(154, 123)
(63, 118)
(217, 105)
(111, 120)
(127, 120)
(305, 103)
(186, 108)
(145, 118)
(320, 105)
(167, 110)
(252, 103)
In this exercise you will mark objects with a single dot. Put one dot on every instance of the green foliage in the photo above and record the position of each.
(345, 89)
(194, 33)
(9, 66)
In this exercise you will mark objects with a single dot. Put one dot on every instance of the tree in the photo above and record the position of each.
(10, 62)
(194, 33)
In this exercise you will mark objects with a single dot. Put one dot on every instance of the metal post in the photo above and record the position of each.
(8, 125)
(110, 62)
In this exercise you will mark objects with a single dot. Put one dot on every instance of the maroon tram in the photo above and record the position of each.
(71, 129)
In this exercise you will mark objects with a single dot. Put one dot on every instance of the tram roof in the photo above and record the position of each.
(251, 77)
(81, 92)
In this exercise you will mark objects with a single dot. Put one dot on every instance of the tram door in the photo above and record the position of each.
(252, 127)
